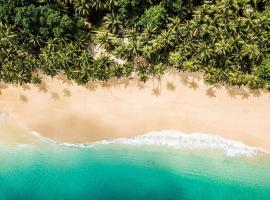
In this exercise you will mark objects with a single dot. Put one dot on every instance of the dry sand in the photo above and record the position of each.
(67, 112)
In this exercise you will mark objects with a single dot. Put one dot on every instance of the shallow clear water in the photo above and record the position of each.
(121, 171)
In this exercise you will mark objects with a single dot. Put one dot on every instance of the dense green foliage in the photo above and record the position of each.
(227, 40)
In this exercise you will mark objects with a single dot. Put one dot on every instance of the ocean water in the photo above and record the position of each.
(156, 166)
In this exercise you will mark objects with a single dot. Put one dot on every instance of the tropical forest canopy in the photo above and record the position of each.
(227, 40)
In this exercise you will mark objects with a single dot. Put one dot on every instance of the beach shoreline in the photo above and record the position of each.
(64, 111)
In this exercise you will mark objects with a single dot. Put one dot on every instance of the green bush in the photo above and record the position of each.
(47, 22)
(153, 18)
(264, 70)
(227, 40)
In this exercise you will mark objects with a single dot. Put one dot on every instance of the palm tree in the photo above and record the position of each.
(222, 47)
(83, 7)
(135, 42)
(104, 39)
(48, 58)
(99, 4)
(113, 23)
(81, 70)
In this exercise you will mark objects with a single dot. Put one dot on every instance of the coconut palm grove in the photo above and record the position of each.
(227, 40)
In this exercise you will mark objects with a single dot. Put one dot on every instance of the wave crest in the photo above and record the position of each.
(174, 139)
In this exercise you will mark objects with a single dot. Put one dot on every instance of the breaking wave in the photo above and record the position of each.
(173, 139)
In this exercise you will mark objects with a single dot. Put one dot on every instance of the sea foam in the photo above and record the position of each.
(173, 139)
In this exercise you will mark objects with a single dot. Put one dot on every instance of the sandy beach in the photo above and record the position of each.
(64, 111)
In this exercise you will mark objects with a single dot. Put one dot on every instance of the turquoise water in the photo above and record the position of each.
(129, 172)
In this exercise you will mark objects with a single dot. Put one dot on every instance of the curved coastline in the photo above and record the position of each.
(123, 108)
(192, 171)
(172, 139)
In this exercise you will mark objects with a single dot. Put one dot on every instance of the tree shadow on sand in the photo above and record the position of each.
(157, 86)
(170, 86)
(115, 82)
(140, 85)
(92, 86)
(23, 98)
(156, 92)
(125, 81)
(55, 96)
(211, 92)
(235, 91)
(190, 79)
(111, 83)
(67, 92)
(3, 86)
(42, 87)
(62, 77)
(256, 93)
(25, 87)
(244, 92)
(193, 85)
